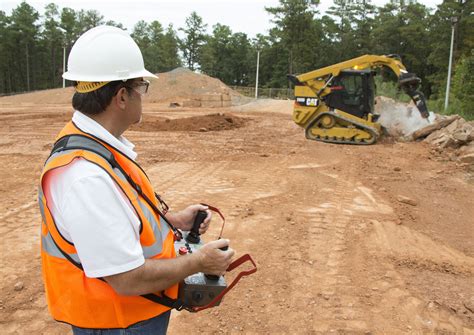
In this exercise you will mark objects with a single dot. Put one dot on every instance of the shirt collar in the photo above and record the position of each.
(90, 126)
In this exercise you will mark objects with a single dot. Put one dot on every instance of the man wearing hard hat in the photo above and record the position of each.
(107, 239)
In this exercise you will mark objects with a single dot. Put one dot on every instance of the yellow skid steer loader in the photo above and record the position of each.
(335, 104)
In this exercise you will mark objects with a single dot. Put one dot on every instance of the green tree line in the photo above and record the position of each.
(302, 38)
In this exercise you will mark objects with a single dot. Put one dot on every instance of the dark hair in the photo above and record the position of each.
(96, 102)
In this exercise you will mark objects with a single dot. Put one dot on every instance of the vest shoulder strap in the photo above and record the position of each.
(82, 142)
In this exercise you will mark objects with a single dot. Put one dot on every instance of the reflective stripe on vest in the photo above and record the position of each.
(51, 248)
(48, 244)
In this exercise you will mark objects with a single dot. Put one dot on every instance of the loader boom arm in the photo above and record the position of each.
(359, 63)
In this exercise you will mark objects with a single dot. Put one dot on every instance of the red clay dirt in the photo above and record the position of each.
(338, 248)
(211, 122)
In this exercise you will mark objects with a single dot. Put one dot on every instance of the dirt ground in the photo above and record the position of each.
(337, 250)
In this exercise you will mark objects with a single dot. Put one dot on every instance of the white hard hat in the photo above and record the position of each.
(104, 54)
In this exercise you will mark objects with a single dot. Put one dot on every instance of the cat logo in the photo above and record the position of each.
(310, 102)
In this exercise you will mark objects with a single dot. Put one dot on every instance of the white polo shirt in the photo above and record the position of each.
(92, 212)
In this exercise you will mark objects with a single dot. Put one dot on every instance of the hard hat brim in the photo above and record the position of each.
(148, 74)
(69, 75)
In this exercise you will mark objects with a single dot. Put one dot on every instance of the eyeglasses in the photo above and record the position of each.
(141, 87)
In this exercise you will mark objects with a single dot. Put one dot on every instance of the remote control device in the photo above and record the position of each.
(198, 289)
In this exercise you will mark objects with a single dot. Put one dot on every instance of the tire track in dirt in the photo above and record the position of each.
(333, 305)
(311, 273)
(317, 271)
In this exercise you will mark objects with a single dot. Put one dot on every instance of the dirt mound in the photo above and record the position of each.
(181, 84)
(174, 86)
(211, 122)
(46, 97)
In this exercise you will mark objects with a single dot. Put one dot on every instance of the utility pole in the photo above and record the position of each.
(27, 68)
(64, 64)
(454, 20)
(64, 52)
(256, 76)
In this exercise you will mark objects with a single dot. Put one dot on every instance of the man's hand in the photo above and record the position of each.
(213, 260)
(184, 219)
(158, 274)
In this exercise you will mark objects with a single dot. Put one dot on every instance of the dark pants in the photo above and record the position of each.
(154, 326)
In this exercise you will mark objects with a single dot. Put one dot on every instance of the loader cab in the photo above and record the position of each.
(353, 92)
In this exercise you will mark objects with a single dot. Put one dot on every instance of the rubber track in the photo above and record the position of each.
(371, 130)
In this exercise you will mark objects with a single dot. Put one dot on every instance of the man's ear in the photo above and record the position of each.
(121, 98)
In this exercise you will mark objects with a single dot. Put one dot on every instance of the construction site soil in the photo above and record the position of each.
(211, 122)
(347, 239)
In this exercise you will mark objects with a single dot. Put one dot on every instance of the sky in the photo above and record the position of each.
(247, 16)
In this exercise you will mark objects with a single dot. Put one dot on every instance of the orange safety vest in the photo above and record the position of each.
(91, 302)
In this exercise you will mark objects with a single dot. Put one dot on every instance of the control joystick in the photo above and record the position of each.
(194, 236)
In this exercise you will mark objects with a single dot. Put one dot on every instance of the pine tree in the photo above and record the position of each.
(25, 33)
(169, 50)
(297, 37)
(463, 86)
(53, 43)
(195, 37)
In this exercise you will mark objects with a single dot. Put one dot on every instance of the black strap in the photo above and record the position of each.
(66, 143)
(164, 300)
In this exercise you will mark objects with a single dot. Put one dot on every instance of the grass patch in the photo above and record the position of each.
(390, 89)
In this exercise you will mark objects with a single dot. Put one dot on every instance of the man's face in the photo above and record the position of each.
(138, 88)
